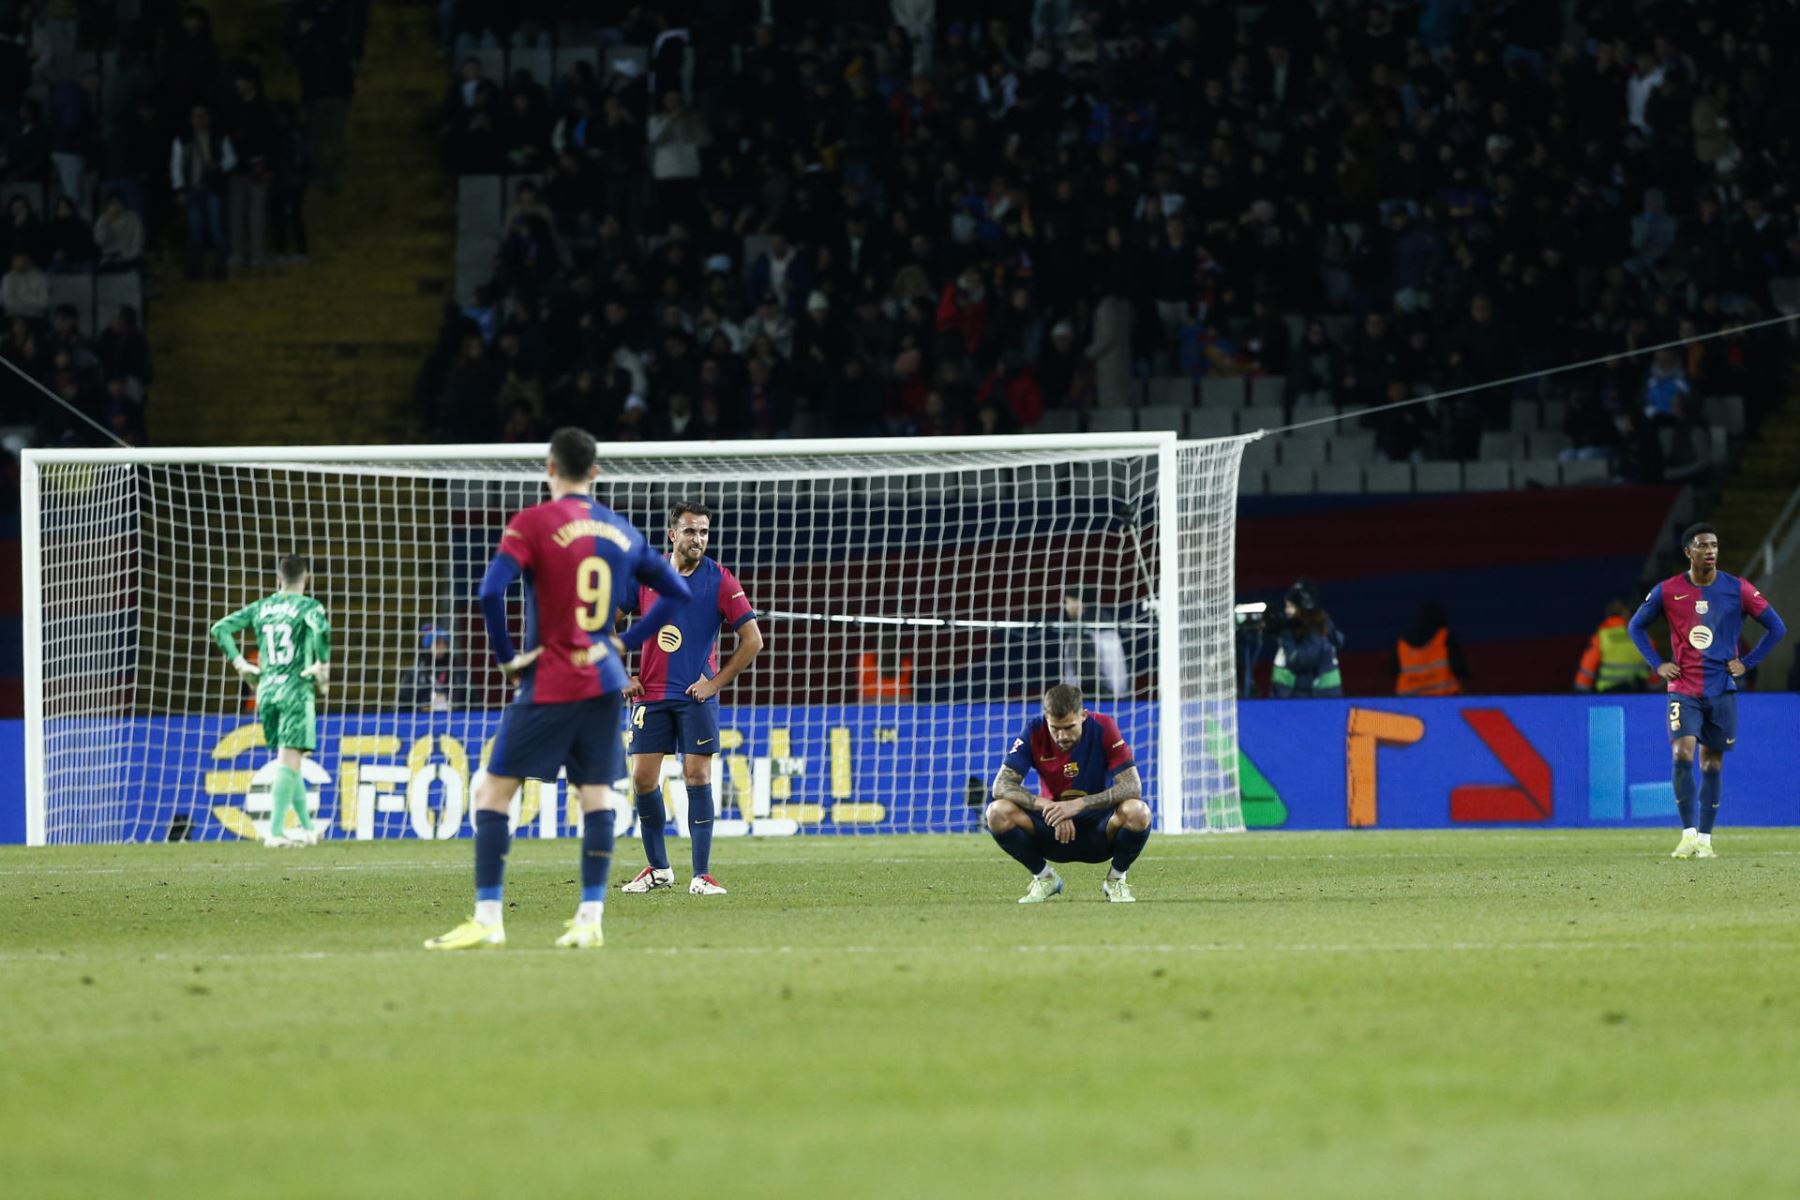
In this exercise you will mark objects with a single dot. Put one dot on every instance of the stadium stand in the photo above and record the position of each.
(1277, 210)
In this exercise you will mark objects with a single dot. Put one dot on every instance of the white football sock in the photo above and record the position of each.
(1706, 839)
(488, 912)
(1689, 832)
(588, 912)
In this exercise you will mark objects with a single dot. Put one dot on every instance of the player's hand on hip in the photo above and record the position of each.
(1736, 667)
(703, 690)
(634, 687)
(247, 670)
(1670, 671)
(520, 663)
(1065, 831)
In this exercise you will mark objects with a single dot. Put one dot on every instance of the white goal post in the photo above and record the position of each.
(916, 595)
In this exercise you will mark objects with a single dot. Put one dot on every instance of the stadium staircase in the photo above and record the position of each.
(329, 350)
(1754, 494)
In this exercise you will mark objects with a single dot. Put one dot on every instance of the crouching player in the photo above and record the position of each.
(1090, 807)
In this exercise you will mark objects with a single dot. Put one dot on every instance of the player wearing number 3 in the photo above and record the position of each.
(580, 562)
(1706, 610)
(293, 646)
(678, 685)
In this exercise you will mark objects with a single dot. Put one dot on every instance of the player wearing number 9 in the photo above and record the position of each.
(578, 562)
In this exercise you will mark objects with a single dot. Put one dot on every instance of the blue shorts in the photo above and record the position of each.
(1091, 845)
(1712, 719)
(538, 740)
(670, 726)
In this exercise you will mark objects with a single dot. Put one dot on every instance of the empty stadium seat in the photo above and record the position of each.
(1268, 390)
(1252, 419)
(1163, 416)
(113, 292)
(1438, 477)
(1111, 420)
(1170, 390)
(1214, 422)
(1584, 471)
(1353, 447)
(1525, 416)
(480, 206)
(1388, 478)
(1487, 476)
(1059, 420)
(1221, 391)
(1727, 411)
(1290, 481)
(1263, 452)
(1546, 444)
(1497, 446)
(1252, 481)
(1298, 450)
(1537, 472)
(77, 290)
(1339, 478)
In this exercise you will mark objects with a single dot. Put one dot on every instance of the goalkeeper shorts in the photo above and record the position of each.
(536, 741)
(289, 724)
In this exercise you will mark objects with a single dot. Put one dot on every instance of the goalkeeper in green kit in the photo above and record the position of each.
(293, 643)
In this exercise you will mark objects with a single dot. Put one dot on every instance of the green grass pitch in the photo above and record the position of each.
(1465, 1014)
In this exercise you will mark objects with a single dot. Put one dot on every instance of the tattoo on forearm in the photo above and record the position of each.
(1010, 785)
(1126, 787)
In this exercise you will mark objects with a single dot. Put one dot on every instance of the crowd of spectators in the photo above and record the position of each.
(121, 129)
(1033, 205)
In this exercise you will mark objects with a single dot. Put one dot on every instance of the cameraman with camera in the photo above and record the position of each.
(1306, 653)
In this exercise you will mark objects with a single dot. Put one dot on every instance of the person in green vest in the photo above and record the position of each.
(1306, 653)
(1611, 663)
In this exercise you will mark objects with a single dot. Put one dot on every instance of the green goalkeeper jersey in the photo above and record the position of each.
(292, 633)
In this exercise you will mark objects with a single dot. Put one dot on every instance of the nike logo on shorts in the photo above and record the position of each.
(702, 741)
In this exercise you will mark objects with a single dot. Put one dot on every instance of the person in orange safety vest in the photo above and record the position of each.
(1427, 659)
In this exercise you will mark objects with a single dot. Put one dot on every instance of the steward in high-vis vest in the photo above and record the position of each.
(1427, 660)
(1611, 662)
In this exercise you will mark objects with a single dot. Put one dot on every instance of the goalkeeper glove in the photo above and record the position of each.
(247, 670)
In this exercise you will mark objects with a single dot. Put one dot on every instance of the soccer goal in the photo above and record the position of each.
(916, 596)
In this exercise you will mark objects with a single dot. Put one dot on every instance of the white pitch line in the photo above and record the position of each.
(1157, 948)
(265, 865)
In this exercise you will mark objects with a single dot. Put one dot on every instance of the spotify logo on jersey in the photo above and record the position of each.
(1699, 637)
(669, 638)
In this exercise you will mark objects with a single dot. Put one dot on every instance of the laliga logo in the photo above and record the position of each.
(669, 638)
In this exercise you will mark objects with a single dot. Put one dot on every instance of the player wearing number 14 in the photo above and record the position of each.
(293, 644)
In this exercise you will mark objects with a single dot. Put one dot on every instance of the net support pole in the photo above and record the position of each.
(31, 579)
(1168, 636)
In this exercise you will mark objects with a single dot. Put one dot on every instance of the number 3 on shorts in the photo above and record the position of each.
(1674, 716)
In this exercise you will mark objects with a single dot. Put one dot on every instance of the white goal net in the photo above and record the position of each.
(916, 598)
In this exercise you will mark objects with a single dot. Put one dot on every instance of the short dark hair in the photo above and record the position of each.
(1693, 531)
(574, 451)
(682, 507)
(1063, 700)
(294, 568)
